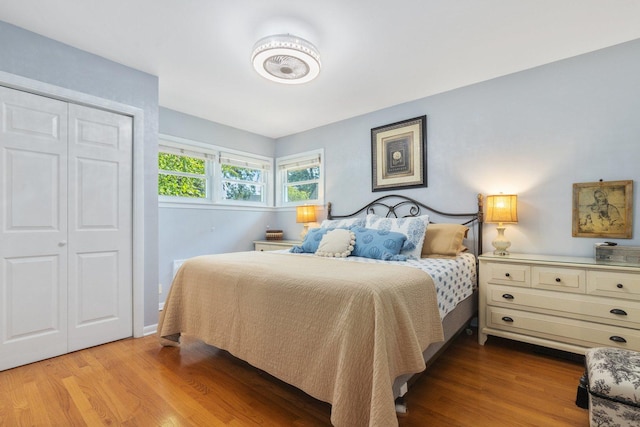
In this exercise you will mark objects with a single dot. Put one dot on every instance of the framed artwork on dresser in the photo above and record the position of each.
(603, 209)
(399, 155)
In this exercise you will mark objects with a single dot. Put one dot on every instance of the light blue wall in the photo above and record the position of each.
(38, 58)
(188, 232)
(533, 133)
(182, 125)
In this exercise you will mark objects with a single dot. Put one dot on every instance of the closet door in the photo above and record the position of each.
(100, 227)
(33, 228)
(65, 227)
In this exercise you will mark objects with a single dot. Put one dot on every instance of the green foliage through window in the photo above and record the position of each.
(238, 182)
(302, 184)
(181, 176)
(176, 163)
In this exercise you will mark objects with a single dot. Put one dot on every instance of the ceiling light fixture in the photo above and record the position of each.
(284, 58)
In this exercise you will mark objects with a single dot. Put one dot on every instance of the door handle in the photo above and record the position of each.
(62, 243)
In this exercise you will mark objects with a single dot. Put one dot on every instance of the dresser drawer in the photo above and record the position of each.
(266, 247)
(274, 245)
(561, 279)
(508, 274)
(583, 307)
(560, 329)
(614, 284)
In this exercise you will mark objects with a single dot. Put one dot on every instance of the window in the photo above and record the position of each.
(183, 173)
(191, 172)
(243, 179)
(300, 179)
(181, 176)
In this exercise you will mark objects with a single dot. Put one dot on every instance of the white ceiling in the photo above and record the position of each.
(375, 53)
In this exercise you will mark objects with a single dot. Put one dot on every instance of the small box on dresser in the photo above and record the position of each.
(567, 303)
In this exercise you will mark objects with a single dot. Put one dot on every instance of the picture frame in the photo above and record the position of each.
(399, 155)
(603, 209)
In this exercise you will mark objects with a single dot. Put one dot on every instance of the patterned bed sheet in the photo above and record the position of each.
(455, 279)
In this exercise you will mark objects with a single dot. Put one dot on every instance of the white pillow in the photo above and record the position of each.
(337, 243)
(413, 227)
(342, 223)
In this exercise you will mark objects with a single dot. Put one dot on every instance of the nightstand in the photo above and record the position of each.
(566, 303)
(274, 245)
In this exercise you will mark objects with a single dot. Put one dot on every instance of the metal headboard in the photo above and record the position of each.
(398, 206)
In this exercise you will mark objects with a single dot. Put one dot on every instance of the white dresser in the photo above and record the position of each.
(567, 303)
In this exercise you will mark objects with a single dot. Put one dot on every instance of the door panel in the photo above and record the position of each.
(97, 299)
(33, 228)
(26, 277)
(31, 210)
(99, 134)
(100, 227)
(32, 118)
(97, 195)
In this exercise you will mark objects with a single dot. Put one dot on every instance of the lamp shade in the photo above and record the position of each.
(502, 208)
(305, 213)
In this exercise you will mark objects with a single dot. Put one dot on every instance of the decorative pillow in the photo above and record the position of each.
(311, 241)
(413, 227)
(337, 243)
(343, 223)
(378, 244)
(444, 240)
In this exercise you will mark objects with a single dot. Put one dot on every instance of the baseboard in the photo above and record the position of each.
(150, 330)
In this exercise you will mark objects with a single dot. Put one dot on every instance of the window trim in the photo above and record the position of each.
(285, 163)
(213, 172)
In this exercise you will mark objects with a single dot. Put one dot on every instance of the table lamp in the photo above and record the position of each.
(501, 208)
(305, 214)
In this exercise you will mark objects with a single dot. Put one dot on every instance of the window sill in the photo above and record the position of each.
(216, 206)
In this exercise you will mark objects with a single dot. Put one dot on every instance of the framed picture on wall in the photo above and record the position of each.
(603, 209)
(399, 155)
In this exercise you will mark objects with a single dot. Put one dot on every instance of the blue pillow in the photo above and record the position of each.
(311, 241)
(412, 227)
(378, 244)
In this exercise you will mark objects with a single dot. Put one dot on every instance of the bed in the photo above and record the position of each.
(348, 330)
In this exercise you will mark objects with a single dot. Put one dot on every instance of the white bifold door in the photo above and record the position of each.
(66, 227)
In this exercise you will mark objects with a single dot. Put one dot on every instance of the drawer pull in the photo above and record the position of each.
(507, 275)
(618, 311)
(619, 286)
(507, 296)
(509, 319)
(616, 338)
(558, 280)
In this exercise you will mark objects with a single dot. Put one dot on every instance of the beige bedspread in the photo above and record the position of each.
(340, 331)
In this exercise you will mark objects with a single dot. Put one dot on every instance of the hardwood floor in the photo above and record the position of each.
(135, 382)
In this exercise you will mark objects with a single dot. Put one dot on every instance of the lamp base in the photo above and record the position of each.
(501, 252)
(501, 243)
(305, 230)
